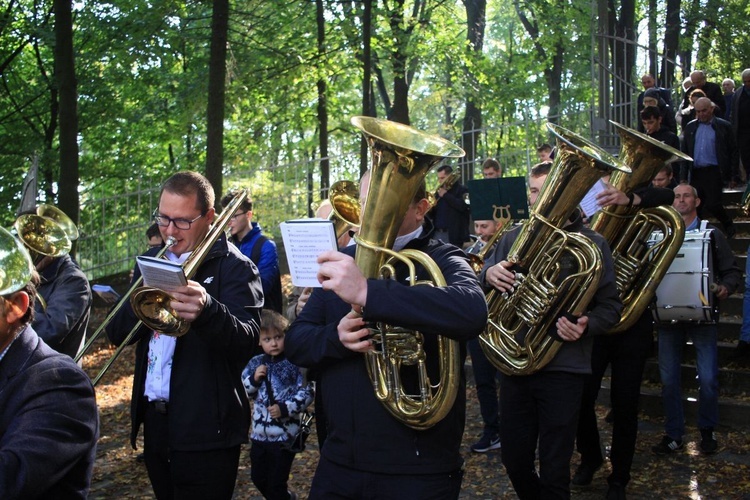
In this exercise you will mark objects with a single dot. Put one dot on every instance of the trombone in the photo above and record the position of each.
(137, 283)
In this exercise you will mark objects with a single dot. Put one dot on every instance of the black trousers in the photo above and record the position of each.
(626, 352)
(743, 143)
(270, 465)
(709, 184)
(335, 482)
(540, 408)
(209, 474)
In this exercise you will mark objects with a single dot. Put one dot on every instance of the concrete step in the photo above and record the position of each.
(733, 413)
(732, 381)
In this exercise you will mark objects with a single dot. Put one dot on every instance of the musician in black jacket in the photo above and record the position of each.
(543, 407)
(451, 213)
(368, 452)
(626, 352)
(187, 390)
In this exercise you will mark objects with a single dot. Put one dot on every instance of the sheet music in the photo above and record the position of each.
(588, 203)
(304, 240)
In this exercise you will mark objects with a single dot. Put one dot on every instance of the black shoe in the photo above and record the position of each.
(610, 418)
(584, 474)
(486, 444)
(731, 231)
(709, 444)
(616, 491)
(140, 458)
(667, 445)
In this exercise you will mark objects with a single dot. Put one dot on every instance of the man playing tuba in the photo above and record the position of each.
(367, 447)
(542, 407)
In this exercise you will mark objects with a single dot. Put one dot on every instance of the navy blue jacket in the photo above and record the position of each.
(49, 423)
(362, 434)
(208, 408)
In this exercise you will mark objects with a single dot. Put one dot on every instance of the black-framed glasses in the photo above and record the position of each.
(164, 221)
(234, 217)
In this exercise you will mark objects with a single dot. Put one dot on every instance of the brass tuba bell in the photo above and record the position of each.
(516, 339)
(639, 266)
(16, 268)
(345, 208)
(48, 232)
(401, 159)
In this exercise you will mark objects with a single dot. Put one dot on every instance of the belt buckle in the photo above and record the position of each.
(160, 406)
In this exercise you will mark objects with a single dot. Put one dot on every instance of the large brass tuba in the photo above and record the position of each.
(401, 158)
(151, 305)
(639, 267)
(516, 339)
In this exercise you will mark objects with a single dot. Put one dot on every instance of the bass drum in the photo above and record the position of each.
(685, 293)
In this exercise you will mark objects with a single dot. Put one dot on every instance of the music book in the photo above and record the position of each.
(161, 273)
(304, 240)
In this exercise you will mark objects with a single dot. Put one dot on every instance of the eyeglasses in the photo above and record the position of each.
(234, 217)
(164, 221)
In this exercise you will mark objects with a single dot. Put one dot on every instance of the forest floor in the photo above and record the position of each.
(687, 474)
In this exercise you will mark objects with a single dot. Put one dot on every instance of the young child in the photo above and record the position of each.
(281, 394)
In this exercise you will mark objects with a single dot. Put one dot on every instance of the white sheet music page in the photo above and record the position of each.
(304, 240)
(588, 203)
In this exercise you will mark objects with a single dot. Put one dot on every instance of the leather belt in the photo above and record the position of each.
(159, 406)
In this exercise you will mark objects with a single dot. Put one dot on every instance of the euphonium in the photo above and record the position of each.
(639, 267)
(516, 339)
(151, 305)
(401, 158)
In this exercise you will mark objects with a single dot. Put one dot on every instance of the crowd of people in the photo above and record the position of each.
(252, 363)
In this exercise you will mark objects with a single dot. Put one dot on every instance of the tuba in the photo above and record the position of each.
(516, 339)
(639, 266)
(16, 268)
(151, 305)
(47, 232)
(401, 159)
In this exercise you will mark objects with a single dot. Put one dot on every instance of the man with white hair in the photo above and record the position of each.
(728, 87)
(711, 89)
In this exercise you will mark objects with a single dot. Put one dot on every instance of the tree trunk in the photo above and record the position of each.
(368, 108)
(472, 123)
(216, 96)
(65, 79)
(325, 180)
(671, 43)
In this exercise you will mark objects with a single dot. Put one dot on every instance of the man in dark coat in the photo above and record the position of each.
(49, 423)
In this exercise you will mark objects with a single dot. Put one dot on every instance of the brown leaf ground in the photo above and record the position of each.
(686, 475)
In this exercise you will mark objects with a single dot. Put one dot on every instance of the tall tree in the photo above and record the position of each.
(65, 79)
(217, 75)
(671, 43)
(472, 123)
(322, 113)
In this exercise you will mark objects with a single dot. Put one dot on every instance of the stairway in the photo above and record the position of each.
(734, 380)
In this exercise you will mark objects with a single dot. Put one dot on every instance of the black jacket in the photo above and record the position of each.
(362, 434)
(49, 424)
(452, 213)
(603, 311)
(208, 408)
(726, 148)
(62, 323)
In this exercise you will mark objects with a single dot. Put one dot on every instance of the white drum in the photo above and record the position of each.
(685, 293)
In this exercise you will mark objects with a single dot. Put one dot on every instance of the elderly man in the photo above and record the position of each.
(728, 87)
(673, 336)
(187, 390)
(709, 141)
(49, 423)
(711, 89)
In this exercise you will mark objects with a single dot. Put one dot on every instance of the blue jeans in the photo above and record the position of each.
(745, 331)
(671, 341)
(485, 378)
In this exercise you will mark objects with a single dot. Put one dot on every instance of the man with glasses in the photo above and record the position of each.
(248, 236)
(187, 390)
